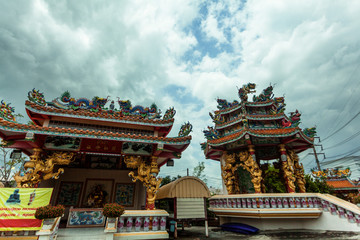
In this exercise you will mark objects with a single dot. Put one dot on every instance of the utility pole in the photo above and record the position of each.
(316, 159)
(187, 172)
(316, 154)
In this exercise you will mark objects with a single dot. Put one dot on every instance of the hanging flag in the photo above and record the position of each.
(18, 206)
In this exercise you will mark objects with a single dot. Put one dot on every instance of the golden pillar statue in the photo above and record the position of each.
(147, 174)
(228, 173)
(287, 166)
(298, 171)
(248, 162)
(38, 170)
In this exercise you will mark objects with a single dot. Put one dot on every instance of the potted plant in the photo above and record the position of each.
(48, 211)
(112, 211)
(51, 216)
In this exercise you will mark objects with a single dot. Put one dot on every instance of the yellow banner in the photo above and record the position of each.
(18, 205)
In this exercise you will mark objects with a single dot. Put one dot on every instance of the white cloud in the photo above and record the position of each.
(136, 49)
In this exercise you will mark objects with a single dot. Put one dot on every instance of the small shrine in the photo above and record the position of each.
(248, 134)
(95, 151)
(339, 180)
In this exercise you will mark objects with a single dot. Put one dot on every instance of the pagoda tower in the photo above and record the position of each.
(82, 142)
(249, 134)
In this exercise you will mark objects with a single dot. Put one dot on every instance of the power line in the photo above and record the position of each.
(335, 99)
(344, 141)
(355, 150)
(342, 127)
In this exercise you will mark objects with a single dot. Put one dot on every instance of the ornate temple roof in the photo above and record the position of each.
(25, 128)
(32, 107)
(81, 125)
(39, 109)
(261, 122)
(342, 184)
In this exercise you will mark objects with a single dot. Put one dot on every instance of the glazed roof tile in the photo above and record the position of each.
(18, 127)
(248, 104)
(341, 183)
(255, 132)
(31, 106)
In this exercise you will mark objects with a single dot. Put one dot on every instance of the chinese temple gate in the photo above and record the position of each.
(87, 151)
(248, 134)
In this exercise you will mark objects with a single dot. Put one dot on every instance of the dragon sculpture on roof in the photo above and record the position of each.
(6, 111)
(67, 102)
(266, 94)
(149, 112)
(245, 90)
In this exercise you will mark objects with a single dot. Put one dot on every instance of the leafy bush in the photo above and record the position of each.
(113, 210)
(49, 212)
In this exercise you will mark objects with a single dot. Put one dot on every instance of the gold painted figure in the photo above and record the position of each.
(39, 170)
(146, 173)
(228, 173)
(298, 171)
(248, 163)
(288, 170)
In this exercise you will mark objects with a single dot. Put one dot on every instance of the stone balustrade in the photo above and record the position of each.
(295, 204)
(149, 224)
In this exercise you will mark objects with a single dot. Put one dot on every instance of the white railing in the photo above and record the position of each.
(140, 222)
(325, 202)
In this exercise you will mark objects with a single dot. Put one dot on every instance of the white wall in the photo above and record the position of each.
(326, 222)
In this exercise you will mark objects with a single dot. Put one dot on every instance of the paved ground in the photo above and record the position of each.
(198, 233)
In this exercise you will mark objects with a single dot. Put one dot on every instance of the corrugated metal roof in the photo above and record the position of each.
(185, 187)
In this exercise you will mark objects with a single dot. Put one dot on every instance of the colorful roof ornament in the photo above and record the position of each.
(185, 129)
(127, 109)
(67, 102)
(267, 94)
(37, 97)
(218, 119)
(310, 132)
(169, 114)
(245, 90)
(223, 104)
(279, 106)
(211, 133)
(332, 173)
(7, 112)
(294, 120)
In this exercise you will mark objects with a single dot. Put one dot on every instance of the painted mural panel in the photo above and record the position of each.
(124, 194)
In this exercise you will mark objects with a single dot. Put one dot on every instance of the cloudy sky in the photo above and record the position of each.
(186, 53)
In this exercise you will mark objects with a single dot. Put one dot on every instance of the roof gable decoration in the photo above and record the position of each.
(7, 112)
(97, 104)
(331, 173)
(185, 129)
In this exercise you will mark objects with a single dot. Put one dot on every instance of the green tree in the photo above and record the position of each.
(199, 171)
(317, 185)
(167, 179)
(8, 166)
(273, 181)
(245, 184)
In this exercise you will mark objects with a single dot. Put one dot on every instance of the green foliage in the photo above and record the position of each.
(245, 184)
(49, 212)
(317, 185)
(168, 179)
(199, 171)
(273, 180)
